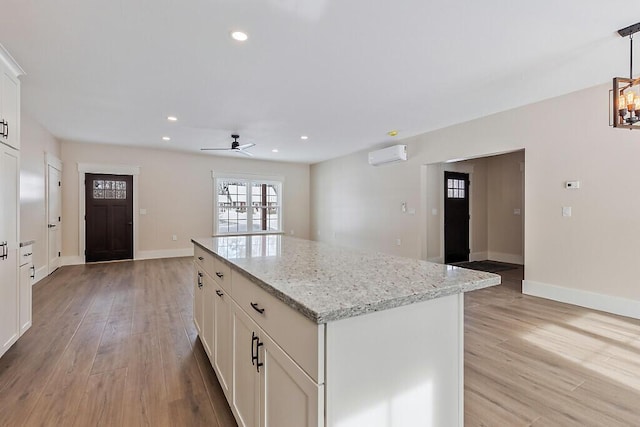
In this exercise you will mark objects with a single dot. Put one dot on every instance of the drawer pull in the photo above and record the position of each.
(201, 258)
(219, 292)
(28, 254)
(33, 272)
(199, 280)
(255, 306)
(254, 356)
(220, 275)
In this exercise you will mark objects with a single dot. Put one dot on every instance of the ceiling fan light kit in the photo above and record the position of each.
(626, 92)
(235, 146)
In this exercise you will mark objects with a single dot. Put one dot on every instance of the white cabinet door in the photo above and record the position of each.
(223, 347)
(288, 396)
(246, 379)
(207, 315)
(9, 286)
(197, 300)
(10, 93)
(25, 297)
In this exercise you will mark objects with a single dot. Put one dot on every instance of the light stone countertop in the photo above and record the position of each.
(327, 283)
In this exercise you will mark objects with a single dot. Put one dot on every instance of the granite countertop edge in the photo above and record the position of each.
(365, 308)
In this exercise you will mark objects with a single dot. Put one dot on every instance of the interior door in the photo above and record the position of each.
(109, 217)
(54, 218)
(456, 217)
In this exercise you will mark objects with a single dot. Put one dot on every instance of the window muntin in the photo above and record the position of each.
(109, 189)
(245, 205)
(455, 188)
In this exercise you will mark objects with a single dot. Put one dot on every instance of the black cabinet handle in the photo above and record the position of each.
(6, 130)
(219, 292)
(199, 279)
(259, 363)
(200, 258)
(257, 308)
(220, 275)
(5, 252)
(33, 272)
(254, 356)
(28, 254)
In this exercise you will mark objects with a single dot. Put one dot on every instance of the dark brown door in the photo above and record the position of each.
(456, 217)
(109, 217)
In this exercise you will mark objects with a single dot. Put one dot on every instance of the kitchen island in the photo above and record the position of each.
(302, 333)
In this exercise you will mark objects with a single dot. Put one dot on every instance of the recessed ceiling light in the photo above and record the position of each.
(172, 118)
(166, 138)
(239, 35)
(275, 150)
(392, 133)
(304, 137)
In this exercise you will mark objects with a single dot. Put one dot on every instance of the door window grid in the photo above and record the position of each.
(455, 188)
(108, 189)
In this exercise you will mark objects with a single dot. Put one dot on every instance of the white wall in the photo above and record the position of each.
(176, 189)
(35, 142)
(591, 254)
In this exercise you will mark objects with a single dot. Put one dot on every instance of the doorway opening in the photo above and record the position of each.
(494, 240)
(108, 217)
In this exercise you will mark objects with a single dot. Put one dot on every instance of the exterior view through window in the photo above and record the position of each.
(248, 206)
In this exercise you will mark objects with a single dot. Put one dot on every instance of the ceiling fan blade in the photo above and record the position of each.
(216, 149)
(246, 153)
(245, 146)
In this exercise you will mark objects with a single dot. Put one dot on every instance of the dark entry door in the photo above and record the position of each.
(456, 217)
(109, 217)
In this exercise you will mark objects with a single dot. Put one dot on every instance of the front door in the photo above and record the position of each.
(109, 217)
(456, 217)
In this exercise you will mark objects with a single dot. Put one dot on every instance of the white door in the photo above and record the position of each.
(54, 193)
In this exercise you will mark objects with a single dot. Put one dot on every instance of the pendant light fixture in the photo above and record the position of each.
(626, 92)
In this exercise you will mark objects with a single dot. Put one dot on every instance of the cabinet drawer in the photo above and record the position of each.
(221, 273)
(299, 337)
(26, 255)
(203, 259)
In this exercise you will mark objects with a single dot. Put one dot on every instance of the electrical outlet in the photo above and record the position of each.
(174, 237)
(398, 242)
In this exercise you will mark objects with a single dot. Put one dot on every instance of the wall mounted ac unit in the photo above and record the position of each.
(387, 155)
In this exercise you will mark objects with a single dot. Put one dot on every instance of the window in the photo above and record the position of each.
(248, 206)
(455, 188)
(104, 189)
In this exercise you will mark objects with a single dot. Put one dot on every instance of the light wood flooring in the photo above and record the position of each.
(114, 345)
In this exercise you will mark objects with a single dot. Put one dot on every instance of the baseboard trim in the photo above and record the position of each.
(437, 259)
(165, 253)
(610, 304)
(478, 256)
(509, 258)
(71, 260)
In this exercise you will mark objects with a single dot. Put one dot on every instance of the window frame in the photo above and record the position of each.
(248, 180)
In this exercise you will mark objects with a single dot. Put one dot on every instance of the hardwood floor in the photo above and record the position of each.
(114, 345)
(535, 362)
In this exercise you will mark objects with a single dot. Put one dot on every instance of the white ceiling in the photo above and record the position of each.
(343, 72)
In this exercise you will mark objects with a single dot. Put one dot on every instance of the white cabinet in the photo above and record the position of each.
(223, 336)
(270, 389)
(27, 274)
(207, 315)
(198, 291)
(9, 286)
(9, 100)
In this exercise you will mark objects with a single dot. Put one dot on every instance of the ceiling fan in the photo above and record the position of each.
(235, 146)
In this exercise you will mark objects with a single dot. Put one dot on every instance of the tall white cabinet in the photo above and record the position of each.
(9, 200)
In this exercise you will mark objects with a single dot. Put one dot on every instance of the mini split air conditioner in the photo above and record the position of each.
(388, 155)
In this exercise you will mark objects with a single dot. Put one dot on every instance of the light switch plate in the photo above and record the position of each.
(566, 211)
